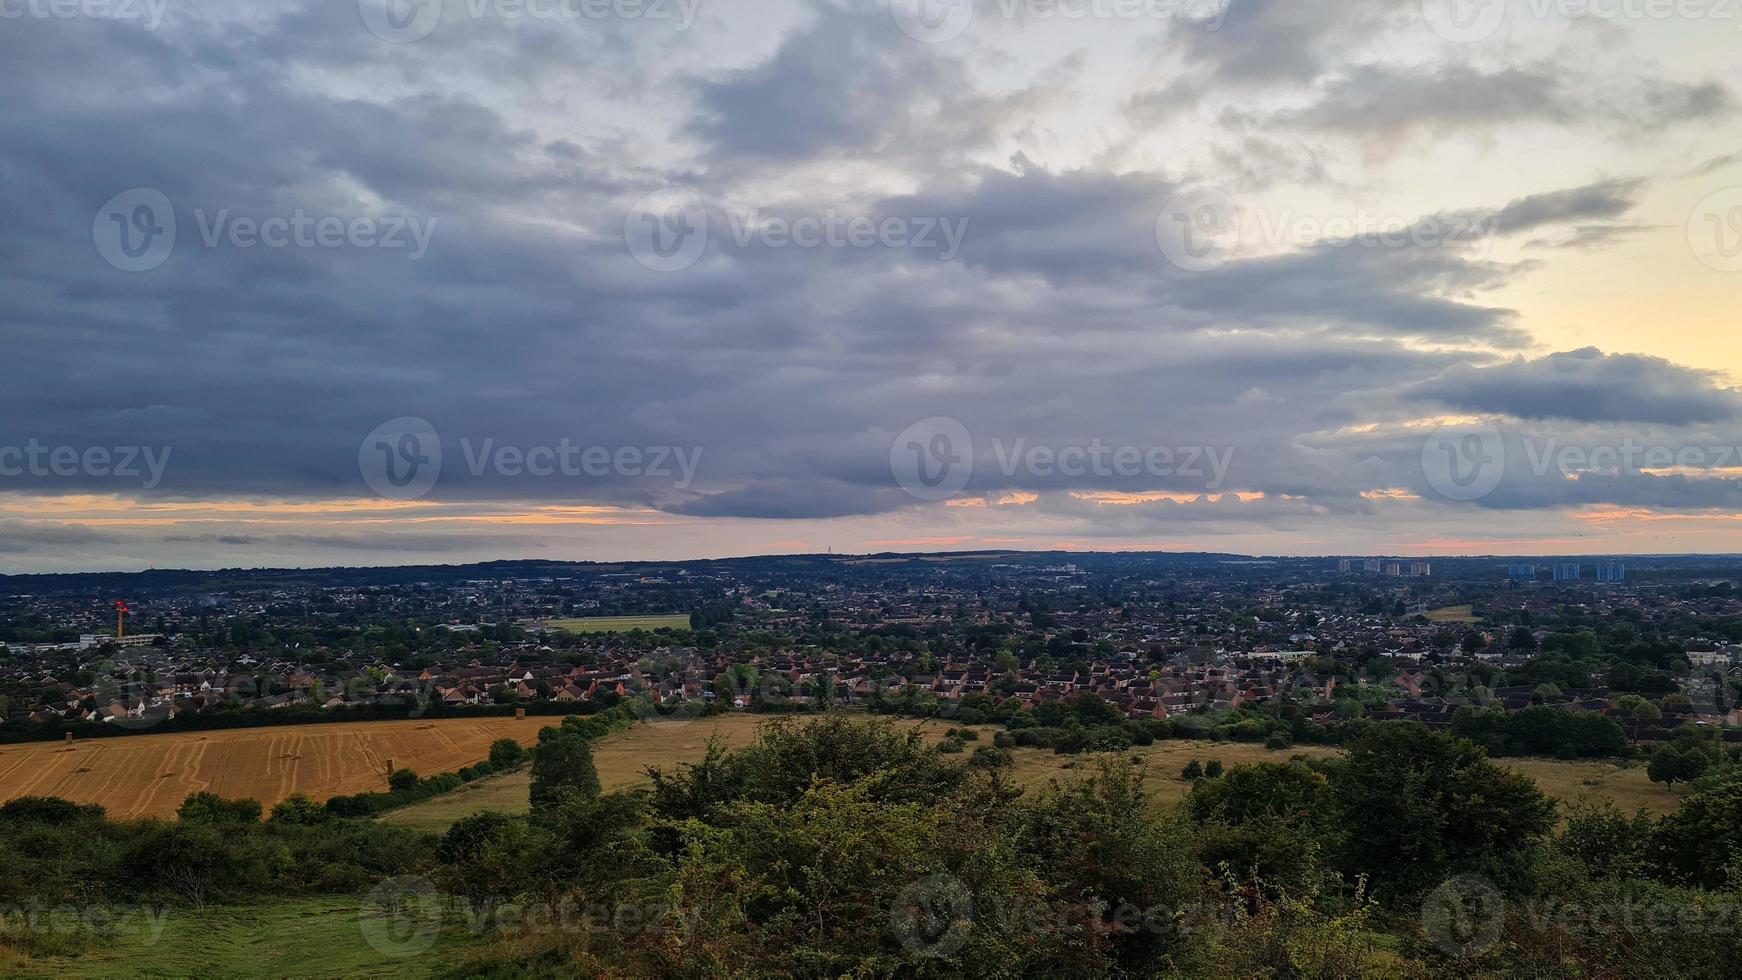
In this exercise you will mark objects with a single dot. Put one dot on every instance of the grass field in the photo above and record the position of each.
(307, 937)
(1453, 614)
(149, 775)
(621, 624)
(623, 758)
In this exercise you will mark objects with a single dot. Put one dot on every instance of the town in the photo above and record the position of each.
(1212, 645)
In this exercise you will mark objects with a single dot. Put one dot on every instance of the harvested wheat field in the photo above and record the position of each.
(149, 775)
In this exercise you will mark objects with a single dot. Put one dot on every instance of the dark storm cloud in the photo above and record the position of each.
(1715, 164)
(1588, 386)
(1591, 237)
(1606, 199)
(849, 83)
(1390, 103)
(1575, 206)
(1258, 42)
(19, 537)
(787, 500)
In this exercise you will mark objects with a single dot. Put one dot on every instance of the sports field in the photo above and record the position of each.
(621, 624)
(149, 775)
(1453, 614)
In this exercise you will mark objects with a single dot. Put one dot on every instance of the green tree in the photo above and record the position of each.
(1676, 763)
(403, 780)
(1418, 806)
(488, 855)
(1103, 840)
(1702, 841)
(563, 765)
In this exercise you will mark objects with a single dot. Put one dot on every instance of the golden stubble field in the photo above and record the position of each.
(149, 775)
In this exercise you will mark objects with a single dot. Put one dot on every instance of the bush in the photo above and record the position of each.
(505, 753)
(992, 758)
(212, 808)
(298, 808)
(50, 810)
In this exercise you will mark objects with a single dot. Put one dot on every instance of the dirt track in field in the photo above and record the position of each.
(149, 775)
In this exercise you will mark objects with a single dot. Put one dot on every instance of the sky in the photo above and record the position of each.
(361, 282)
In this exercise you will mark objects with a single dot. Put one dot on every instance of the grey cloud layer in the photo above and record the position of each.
(528, 322)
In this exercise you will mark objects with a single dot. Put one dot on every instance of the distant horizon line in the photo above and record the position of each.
(1329, 556)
